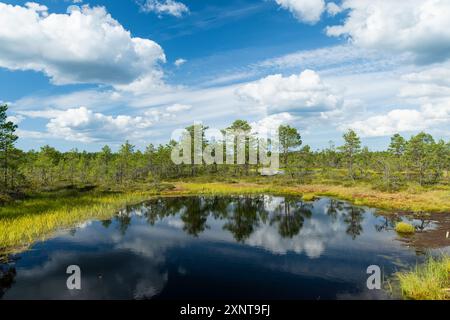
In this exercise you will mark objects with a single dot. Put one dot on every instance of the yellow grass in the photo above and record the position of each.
(430, 281)
(32, 220)
(423, 200)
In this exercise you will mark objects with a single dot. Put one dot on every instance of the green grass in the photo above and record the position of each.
(36, 218)
(430, 281)
(405, 228)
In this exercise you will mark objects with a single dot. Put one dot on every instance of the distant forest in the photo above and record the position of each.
(419, 160)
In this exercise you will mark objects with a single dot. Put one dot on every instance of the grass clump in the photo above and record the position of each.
(405, 228)
(430, 281)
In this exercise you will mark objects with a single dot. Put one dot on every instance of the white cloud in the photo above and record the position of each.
(37, 8)
(149, 83)
(303, 92)
(439, 75)
(175, 108)
(229, 78)
(179, 62)
(270, 124)
(427, 85)
(32, 134)
(169, 7)
(419, 27)
(16, 119)
(336, 59)
(308, 11)
(221, 104)
(333, 9)
(429, 116)
(82, 124)
(157, 115)
(86, 45)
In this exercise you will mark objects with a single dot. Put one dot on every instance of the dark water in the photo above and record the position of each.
(215, 247)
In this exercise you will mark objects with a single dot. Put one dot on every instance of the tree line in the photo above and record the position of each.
(420, 159)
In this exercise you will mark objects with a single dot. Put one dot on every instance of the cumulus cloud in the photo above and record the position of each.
(170, 7)
(270, 124)
(419, 27)
(308, 11)
(84, 125)
(429, 116)
(303, 92)
(86, 45)
(37, 8)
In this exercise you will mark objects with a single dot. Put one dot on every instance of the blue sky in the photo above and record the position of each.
(85, 74)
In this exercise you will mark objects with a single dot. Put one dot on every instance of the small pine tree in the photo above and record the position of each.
(7, 141)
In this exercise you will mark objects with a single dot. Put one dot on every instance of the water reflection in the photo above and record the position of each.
(7, 275)
(241, 215)
(265, 246)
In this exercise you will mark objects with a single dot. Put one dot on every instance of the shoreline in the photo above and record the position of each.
(432, 201)
(47, 213)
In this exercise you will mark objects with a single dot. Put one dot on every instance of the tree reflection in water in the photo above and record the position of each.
(388, 223)
(195, 215)
(7, 276)
(242, 215)
(353, 218)
(290, 216)
(334, 207)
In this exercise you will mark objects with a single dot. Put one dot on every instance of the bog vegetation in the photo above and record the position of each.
(417, 163)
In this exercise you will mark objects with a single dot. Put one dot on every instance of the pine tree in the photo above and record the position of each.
(289, 138)
(350, 149)
(7, 141)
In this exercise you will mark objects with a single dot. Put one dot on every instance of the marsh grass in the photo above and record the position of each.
(36, 218)
(430, 281)
(434, 200)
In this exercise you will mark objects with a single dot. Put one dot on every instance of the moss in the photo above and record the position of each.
(309, 197)
(405, 228)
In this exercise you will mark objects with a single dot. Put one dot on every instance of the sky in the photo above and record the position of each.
(82, 74)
